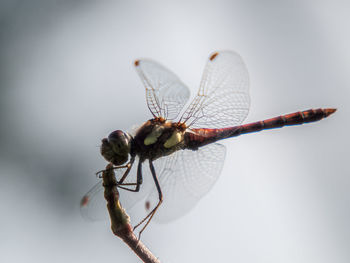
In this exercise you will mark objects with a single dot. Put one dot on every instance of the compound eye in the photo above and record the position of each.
(119, 142)
(117, 135)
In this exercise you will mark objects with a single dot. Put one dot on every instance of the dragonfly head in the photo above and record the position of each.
(116, 147)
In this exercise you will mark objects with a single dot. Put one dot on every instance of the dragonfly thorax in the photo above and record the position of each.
(116, 147)
(157, 138)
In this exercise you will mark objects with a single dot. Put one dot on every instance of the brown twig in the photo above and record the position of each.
(120, 221)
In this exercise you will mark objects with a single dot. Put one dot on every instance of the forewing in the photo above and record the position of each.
(185, 177)
(166, 95)
(223, 97)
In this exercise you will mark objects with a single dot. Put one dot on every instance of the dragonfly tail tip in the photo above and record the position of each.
(330, 111)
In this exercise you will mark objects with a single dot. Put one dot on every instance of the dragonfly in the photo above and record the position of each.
(178, 147)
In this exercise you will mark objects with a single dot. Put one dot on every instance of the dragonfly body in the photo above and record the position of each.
(180, 144)
(158, 138)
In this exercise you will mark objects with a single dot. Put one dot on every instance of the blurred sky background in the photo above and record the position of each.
(67, 80)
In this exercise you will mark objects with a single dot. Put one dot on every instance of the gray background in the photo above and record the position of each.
(67, 80)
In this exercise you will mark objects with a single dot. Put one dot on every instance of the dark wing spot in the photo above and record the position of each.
(213, 56)
(84, 201)
(137, 62)
(147, 205)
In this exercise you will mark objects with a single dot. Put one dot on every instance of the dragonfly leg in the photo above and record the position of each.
(127, 171)
(138, 180)
(151, 214)
(128, 166)
(99, 173)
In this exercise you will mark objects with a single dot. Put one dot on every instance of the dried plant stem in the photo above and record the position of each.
(120, 221)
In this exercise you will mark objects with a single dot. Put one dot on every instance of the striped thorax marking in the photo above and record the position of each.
(174, 139)
(154, 135)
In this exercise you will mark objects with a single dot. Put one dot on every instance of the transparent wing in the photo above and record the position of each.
(93, 204)
(166, 95)
(223, 97)
(185, 177)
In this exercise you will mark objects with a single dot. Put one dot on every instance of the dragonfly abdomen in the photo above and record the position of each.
(295, 118)
(201, 137)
